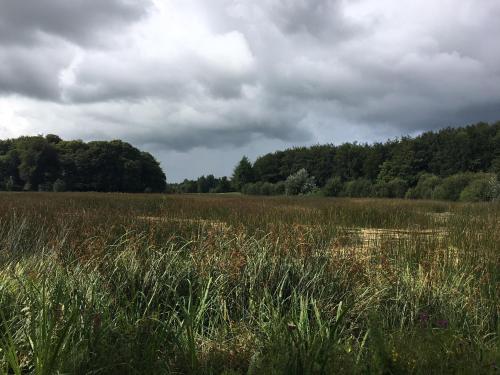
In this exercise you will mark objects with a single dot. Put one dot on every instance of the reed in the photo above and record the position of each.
(213, 284)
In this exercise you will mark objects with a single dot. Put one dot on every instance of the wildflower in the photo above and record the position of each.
(442, 323)
(423, 318)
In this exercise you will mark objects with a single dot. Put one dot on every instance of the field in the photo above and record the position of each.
(206, 284)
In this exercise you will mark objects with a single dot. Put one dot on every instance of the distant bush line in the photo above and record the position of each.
(51, 164)
(451, 164)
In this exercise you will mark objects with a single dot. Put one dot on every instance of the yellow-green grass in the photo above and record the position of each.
(212, 284)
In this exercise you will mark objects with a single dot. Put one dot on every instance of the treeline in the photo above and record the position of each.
(204, 184)
(451, 164)
(50, 164)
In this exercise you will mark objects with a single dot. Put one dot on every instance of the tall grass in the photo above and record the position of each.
(150, 284)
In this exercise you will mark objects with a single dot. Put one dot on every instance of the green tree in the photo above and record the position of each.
(243, 174)
(39, 163)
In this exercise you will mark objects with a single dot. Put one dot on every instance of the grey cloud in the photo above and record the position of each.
(320, 18)
(99, 80)
(282, 71)
(214, 126)
(79, 21)
(32, 72)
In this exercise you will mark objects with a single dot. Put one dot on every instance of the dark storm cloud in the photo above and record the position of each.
(190, 74)
(39, 39)
(320, 18)
(79, 21)
(212, 125)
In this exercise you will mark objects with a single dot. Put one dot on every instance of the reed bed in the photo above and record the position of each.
(214, 284)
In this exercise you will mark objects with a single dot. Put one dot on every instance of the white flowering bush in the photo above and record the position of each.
(300, 183)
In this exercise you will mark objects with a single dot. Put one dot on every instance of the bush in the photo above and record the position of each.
(59, 186)
(10, 184)
(279, 188)
(300, 183)
(425, 187)
(481, 190)
(46, 186)
(358, 188)
(451, 187)
(397, 188)
(266, 188)
(333, 187)
(252, 188)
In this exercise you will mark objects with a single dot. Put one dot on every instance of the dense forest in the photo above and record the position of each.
(451, 164)
(51, 164)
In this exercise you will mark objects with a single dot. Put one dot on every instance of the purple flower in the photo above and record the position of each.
(423, 318)
(442, 323)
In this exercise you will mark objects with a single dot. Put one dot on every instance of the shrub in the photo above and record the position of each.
(333, 187)
(358, 188)
(46, 186)
(481, 190)
(9, 184)
(381, 190)
(59, 186)
(266, 188)
(397, 187)
(252, 188)
(300, 183)
(279, 188)
(425, 187)
(451, 187)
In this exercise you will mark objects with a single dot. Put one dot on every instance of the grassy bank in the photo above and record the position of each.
(153, 284)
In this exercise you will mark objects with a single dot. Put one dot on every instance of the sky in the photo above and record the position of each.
(200, 83)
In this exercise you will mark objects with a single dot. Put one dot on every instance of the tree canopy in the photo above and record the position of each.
(453, 163)
(52, 164)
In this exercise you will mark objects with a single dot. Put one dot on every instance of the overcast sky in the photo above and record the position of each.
(199, 83)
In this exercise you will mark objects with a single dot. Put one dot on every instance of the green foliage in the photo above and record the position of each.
(223, 185)
(300, 183)
(334, 187)
(425, 187)
(204, 184)
(482, 189)
(36, 163)
(59, 186)
(360, 187)
(451, 187)
(406, 167)
(495, 165)
(252, 188)
(243, 174)
(264, 188)
(395, 188)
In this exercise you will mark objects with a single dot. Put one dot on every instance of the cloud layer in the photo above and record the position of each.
(186, 77)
